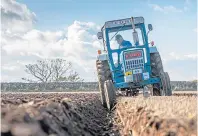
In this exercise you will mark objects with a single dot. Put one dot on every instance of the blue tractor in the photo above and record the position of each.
(132, 68)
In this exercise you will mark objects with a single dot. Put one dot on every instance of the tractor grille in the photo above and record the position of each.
(134, 61)
(134, 64)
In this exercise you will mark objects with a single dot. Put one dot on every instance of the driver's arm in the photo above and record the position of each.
(129, 44)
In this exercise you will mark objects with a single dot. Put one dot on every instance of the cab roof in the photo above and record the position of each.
(121, 22)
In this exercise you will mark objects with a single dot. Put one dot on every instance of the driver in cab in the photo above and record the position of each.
(122, 43)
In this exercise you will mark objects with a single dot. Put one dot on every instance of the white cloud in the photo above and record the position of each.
(175, 56)
(80, 46)
(165, 9)
(16, 17)
(9, 67)
(33, 42)
(181, 67)
(191, 56)
(78, 43)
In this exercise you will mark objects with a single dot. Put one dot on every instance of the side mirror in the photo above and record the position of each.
(135, 38)
(99, 35)
(150, 27)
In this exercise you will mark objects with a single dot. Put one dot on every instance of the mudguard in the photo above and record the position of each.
(103, 56)
(153, 49)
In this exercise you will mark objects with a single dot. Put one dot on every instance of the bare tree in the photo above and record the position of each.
(72, 77)
(60, 68)
(42, 70)
(52, 70)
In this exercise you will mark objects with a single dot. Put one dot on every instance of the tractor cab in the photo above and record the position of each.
(123, 61)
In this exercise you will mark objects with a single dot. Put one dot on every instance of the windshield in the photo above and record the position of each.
(127, 38)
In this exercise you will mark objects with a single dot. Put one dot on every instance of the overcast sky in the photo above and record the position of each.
(36, 29)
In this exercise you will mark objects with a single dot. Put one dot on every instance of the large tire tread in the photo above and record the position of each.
(156, 64)
(156, 70)
(169, 89)
(103, 73)
(110, 95)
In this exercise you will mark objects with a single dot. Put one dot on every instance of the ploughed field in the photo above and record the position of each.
(54, 114)
(157, 116)
(81, 114)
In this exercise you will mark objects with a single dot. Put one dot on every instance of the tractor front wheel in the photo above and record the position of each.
(110, 94)
(104, 74)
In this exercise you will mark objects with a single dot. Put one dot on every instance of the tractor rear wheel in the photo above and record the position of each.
(110, 94)
(104, 74)
(169, 89)
(156, 64)
(166, 86)
(156, 69)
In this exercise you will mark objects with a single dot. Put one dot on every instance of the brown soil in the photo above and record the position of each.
(157, 116)
(54, 114)
(81, 114)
